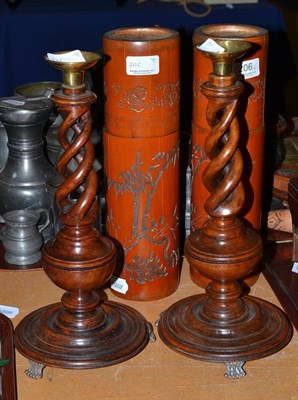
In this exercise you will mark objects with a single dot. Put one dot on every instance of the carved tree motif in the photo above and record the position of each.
(158, 232)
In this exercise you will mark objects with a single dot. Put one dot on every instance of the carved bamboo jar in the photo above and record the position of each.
(142, 89)
(252, 72)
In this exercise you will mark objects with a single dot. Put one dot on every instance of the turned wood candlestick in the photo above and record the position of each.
(222, 325)
(253, 75)
(82, 331)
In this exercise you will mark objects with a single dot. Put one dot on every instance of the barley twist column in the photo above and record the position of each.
(223, 325)
(253, 66)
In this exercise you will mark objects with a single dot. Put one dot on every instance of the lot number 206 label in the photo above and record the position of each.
(250, 68)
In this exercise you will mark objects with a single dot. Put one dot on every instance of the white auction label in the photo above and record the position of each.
(210, 45)
(250, 68)
(9, 311)
(71, 56)
(119, 285)
(295, 267)
(142, 65)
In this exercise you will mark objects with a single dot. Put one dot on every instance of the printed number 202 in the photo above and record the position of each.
(135, 64)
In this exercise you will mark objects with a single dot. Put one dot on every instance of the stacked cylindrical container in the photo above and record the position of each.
(141, 158)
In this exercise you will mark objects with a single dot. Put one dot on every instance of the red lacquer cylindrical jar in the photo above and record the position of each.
(141, 152)
(252, 72)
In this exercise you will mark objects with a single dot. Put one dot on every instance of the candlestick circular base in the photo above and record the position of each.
(261, 331)
(122, 334)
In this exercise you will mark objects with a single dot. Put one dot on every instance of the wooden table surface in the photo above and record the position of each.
(157, 372)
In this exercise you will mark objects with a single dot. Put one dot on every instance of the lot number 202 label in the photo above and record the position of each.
(142, 65)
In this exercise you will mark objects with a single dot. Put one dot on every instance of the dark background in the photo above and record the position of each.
(31, 28)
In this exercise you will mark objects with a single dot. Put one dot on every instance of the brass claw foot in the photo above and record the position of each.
(35, 370)
(152, 336)
(234, 370)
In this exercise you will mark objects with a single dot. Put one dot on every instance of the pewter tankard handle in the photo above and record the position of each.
(42, 226)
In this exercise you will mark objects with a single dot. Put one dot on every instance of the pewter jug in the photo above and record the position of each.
(53, 149)
(45, 89)
(37, 89)
(23, 178)
(21, 235)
